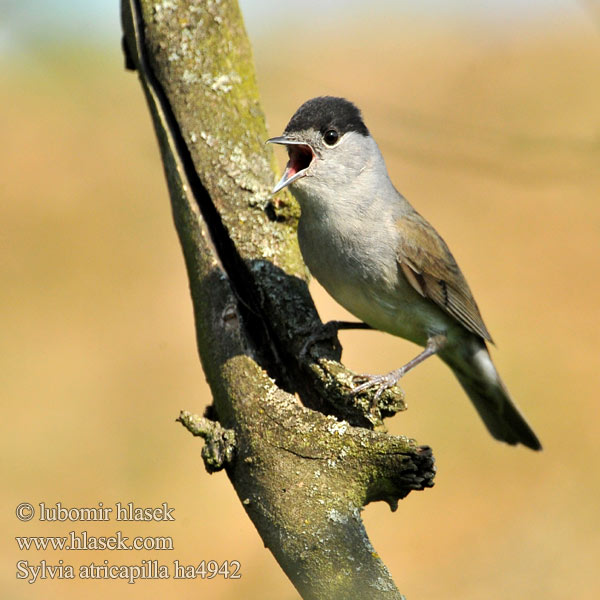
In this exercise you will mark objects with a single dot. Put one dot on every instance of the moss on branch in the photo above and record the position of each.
(301, 453)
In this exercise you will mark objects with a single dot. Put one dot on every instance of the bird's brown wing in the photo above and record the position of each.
(430, 268)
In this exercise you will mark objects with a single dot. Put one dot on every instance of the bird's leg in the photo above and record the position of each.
(383, 382)
(327, 331)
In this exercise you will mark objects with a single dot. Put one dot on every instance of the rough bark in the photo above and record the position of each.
(302, 453)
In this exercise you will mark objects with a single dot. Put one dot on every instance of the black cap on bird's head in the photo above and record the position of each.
(321, 121)
(327, 112)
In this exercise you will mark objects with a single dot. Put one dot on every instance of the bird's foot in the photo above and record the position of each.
(382, 382)
(385, 382)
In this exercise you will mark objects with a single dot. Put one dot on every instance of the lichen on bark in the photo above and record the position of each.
(302, 454)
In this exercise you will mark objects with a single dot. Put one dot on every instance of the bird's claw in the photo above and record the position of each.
(382, 382)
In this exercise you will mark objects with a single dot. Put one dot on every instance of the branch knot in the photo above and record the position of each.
(219, 443)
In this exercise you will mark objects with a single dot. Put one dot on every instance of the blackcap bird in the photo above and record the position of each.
(383, 261)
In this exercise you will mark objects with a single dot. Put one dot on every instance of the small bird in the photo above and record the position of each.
(383, 262)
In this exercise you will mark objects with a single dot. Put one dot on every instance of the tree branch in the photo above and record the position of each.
(303, 469)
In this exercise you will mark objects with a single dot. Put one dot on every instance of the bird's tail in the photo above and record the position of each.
(477, 374)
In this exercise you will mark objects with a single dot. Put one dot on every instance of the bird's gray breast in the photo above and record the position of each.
(351, 248)
(353, 256)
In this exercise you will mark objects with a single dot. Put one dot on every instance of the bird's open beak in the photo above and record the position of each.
(301, 155)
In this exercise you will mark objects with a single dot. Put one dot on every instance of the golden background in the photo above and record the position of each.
(493, 135)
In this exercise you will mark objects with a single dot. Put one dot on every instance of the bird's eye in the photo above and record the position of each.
(331, 136)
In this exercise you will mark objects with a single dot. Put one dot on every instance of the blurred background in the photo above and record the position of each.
(488, 114)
